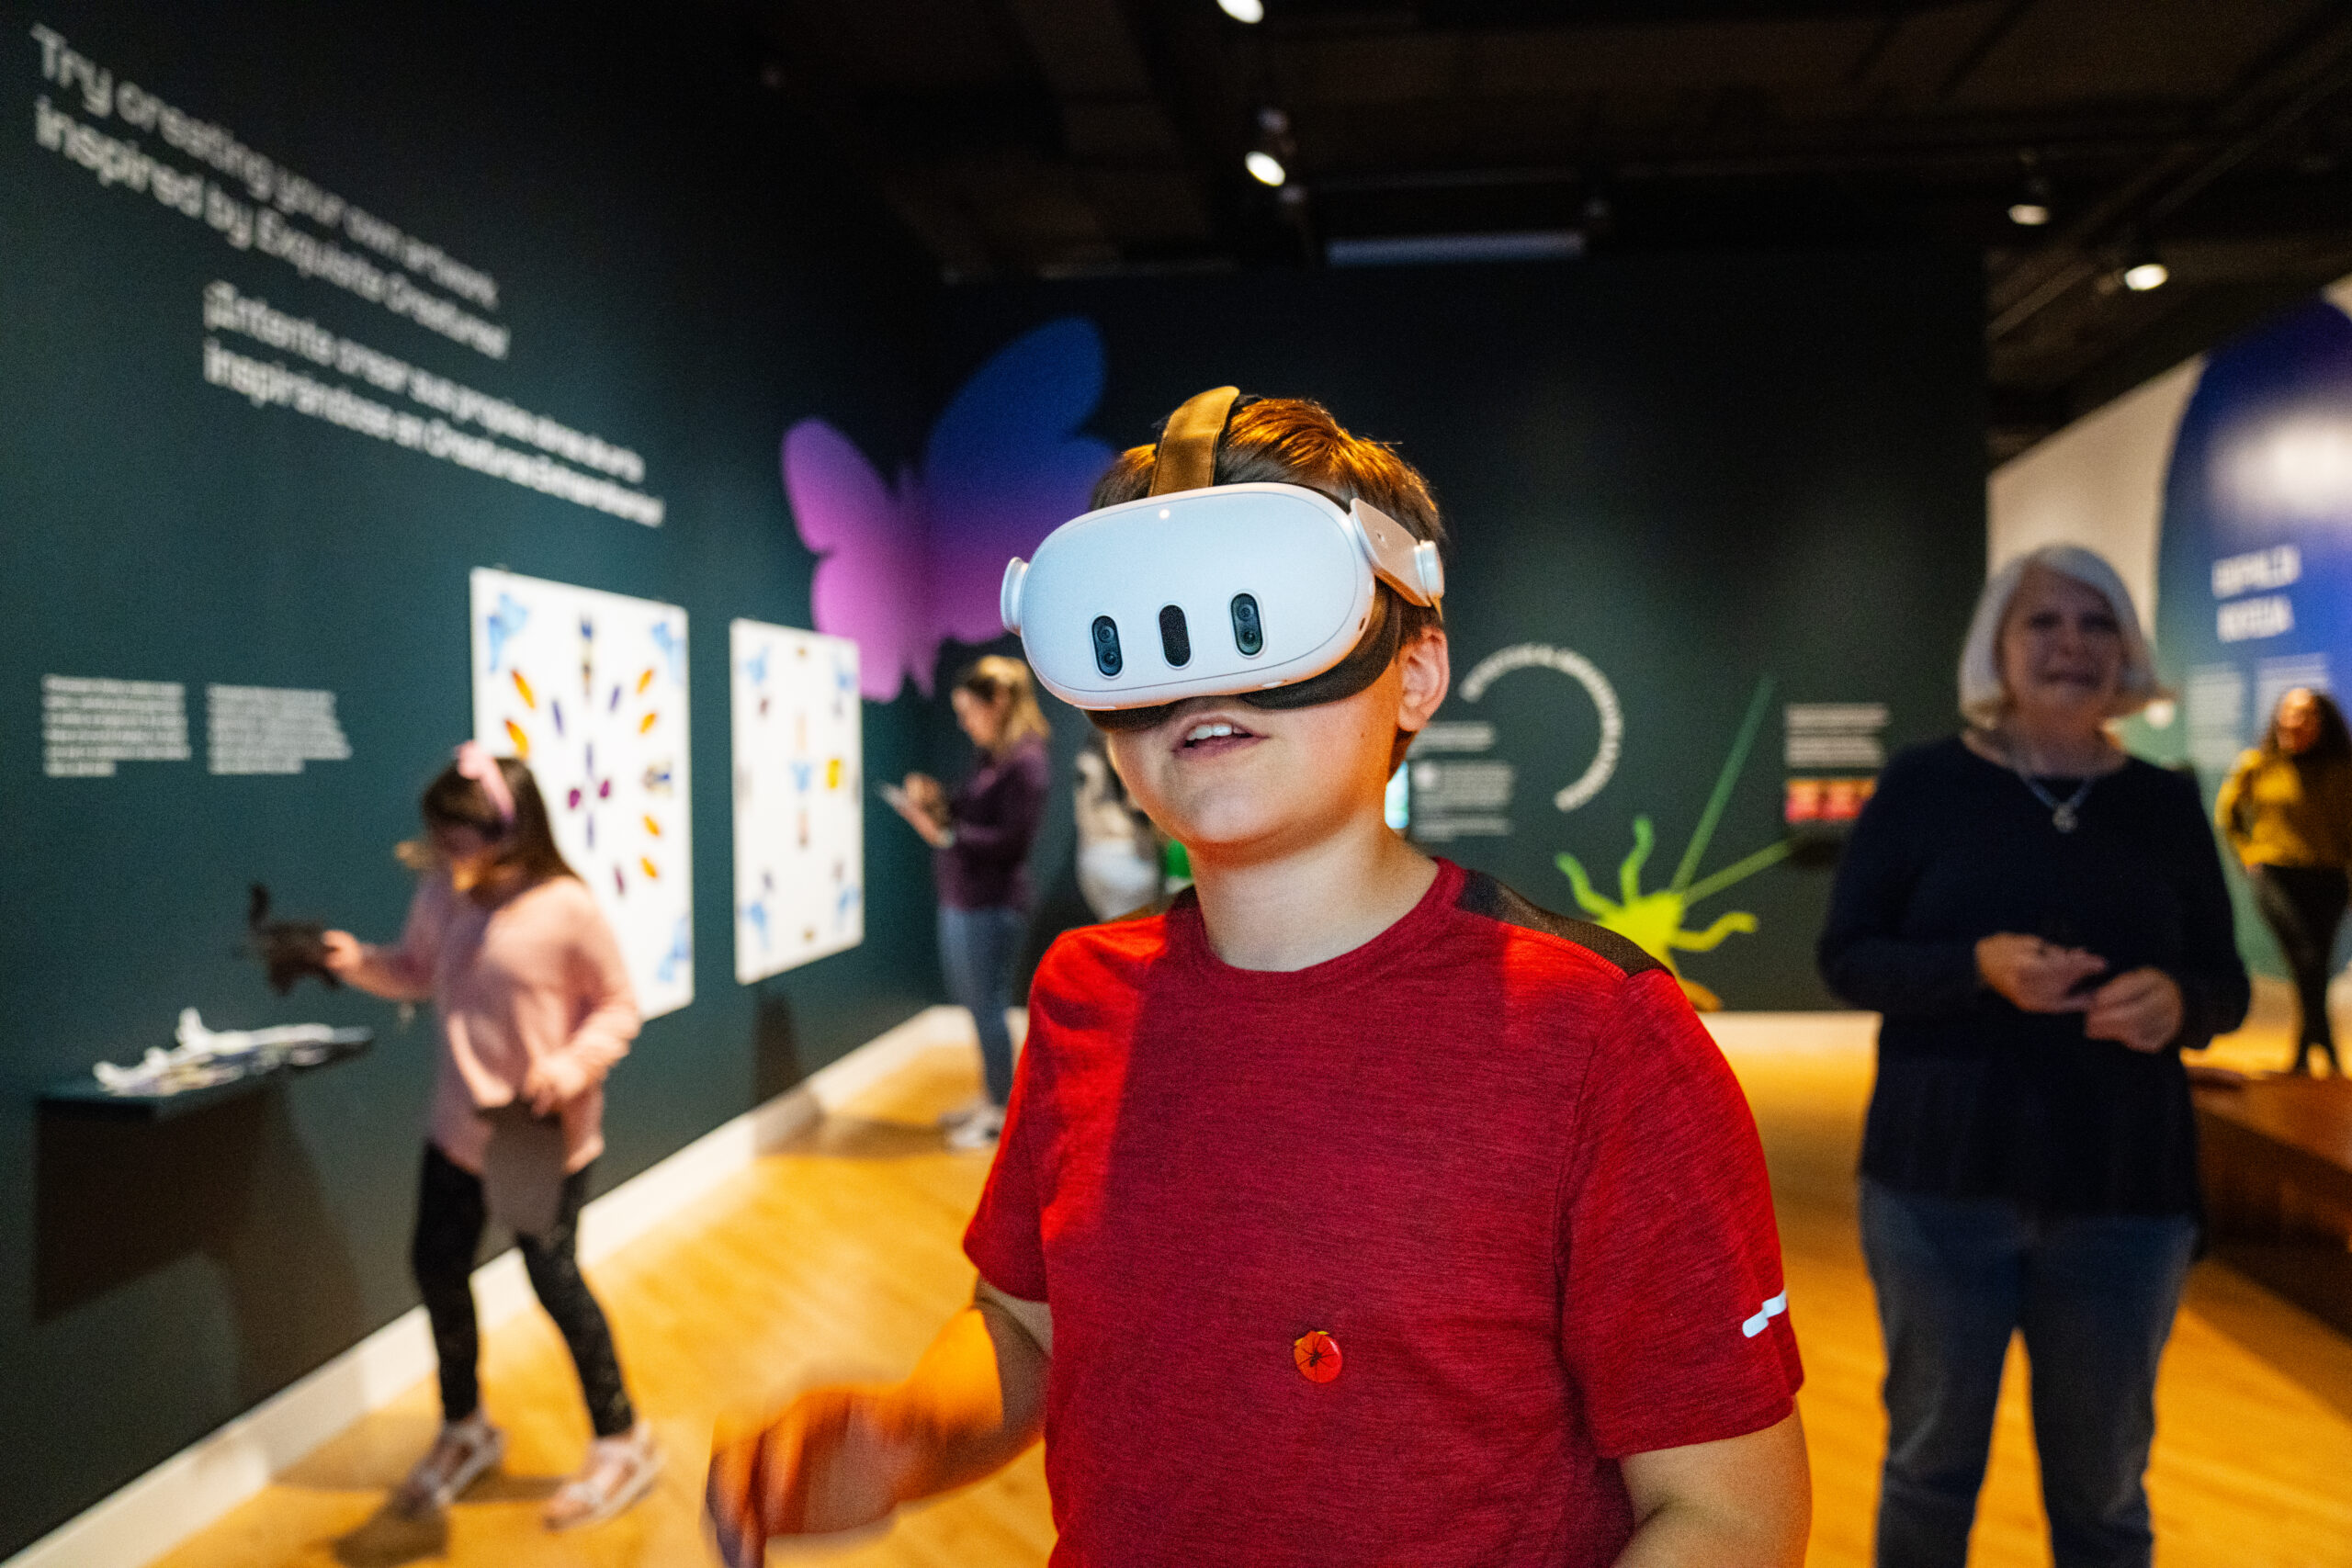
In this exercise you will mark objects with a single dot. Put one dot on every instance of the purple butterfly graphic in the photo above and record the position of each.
(902, 567)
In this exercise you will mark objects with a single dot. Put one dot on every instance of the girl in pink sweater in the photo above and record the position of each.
(532, 1006)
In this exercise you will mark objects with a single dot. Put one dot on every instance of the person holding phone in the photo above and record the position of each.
(980, 834)
(2042, 923)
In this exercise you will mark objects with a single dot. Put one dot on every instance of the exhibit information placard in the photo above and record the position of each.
(799, 783)
(590, 688)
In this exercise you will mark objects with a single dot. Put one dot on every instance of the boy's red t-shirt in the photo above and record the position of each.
(1491, 1154)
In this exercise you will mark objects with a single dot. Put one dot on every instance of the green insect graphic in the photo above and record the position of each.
(1653, 921)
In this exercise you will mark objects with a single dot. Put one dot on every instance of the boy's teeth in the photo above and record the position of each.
(1208, 732)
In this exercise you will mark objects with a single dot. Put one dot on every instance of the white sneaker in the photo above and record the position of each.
(617, 1472)
(951, 1120)
(979, 1131)
(463, 1450)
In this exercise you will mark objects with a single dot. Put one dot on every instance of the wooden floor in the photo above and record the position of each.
(837, 1258)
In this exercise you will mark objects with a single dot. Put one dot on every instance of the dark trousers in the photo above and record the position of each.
(450, 1215)
(2302, 905)
(976, 949)
(2094, 1295)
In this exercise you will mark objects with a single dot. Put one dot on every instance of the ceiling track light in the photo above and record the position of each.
(1249, 11)
(2140, 269)
(2031, 208)
(1267, 161)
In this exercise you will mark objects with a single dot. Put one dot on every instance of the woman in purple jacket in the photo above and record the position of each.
(981, 835)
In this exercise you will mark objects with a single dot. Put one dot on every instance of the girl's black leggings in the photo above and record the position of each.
(2303, 905)
(450, 1215)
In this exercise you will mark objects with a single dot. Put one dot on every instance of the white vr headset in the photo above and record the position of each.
(1202, 589)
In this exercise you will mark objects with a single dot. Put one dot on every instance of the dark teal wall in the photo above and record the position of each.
(1696, 471)
(679, 275)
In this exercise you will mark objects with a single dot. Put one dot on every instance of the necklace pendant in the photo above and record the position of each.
(2063, 818)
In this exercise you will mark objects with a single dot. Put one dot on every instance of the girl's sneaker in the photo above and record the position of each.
(617, 1472)
(951, 1120)
(978, 1132)
(463, 1450)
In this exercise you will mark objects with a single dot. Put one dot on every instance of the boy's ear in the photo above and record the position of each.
(1428, 670)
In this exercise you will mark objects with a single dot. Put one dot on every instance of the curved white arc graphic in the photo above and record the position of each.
(1577, 666)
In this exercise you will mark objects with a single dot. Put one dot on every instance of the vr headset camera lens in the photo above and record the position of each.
(1249, 635)
(1175, 639)
(1106, 646)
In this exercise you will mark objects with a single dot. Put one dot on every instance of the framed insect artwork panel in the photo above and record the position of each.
(799, 814)
(590, 688)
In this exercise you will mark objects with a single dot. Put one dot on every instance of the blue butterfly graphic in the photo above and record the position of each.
(503, 623)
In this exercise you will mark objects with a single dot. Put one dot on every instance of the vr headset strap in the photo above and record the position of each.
(1407, 564)
(1186, 457)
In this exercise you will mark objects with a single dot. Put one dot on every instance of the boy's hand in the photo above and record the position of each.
(839, 1458)
(836, 1459)
(344, 952)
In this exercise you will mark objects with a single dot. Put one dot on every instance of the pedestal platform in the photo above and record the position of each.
(2278, 1161)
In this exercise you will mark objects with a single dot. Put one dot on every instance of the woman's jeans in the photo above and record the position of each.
(976, 948)
(451, 1210)
(2302, 905)
(2095, 1296)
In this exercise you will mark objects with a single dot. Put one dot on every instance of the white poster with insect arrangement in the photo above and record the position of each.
(590, 688)
(799, 816)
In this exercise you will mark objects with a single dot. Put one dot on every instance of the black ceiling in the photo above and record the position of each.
(1025, 138)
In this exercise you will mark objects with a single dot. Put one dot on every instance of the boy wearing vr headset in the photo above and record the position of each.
(1354, 1211)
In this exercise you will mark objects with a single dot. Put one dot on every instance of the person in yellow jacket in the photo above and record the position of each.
(2287, 810)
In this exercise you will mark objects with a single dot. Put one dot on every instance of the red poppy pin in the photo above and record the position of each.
(1318, 1355)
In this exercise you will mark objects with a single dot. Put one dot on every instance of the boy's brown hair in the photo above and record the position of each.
(1296, 441)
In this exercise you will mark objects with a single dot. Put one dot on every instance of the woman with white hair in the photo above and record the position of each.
(2043, 922)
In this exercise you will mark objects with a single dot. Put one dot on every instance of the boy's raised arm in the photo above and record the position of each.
(839, 1458)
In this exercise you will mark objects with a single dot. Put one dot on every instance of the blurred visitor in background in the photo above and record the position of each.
(532, 1007)
(2043, 923)
(2287, 810)
(1120, 853)
(981, 834)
